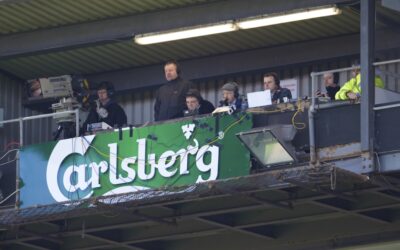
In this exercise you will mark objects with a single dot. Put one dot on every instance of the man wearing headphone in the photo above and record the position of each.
(105, 108)
(231, 97)
(331, 82)
(196, 105)
(171, 97)
(278, 94)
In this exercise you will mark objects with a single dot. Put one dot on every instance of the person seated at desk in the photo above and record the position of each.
(196, 105)
(106, 109)
(278, 94)
(351, 90)
(331, 82)
(231, 97)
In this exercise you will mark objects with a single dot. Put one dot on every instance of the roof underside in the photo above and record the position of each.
(23, 16)
(127, 54)
(30, 17)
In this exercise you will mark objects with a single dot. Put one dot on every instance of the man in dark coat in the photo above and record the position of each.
(170, 98)
(196, 105)
(106, 109)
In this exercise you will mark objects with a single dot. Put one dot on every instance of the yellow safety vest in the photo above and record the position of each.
(353, 85)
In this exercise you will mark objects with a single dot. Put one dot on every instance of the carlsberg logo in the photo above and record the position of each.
(142, 165)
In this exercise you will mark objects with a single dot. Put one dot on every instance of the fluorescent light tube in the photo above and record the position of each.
(250, 23)
(165, 36)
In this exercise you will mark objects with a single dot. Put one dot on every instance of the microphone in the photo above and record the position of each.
(223, 102)
(102, 112)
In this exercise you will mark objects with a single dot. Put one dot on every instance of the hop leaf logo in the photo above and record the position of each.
(188, 130)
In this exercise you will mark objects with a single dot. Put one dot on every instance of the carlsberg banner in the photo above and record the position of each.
(169, 154)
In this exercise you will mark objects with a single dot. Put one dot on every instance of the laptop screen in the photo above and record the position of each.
(259, 98)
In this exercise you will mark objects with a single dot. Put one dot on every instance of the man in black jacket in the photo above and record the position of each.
(196, 105)
(278, 94)
(170, 98)
(106, 109)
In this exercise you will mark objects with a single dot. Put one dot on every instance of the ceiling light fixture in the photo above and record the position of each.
(232, 25)
(266, 20)
(170, 35)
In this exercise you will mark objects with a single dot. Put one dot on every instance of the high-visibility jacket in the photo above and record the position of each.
(353, 85)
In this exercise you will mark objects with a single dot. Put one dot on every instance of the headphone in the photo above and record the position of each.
(275, 76)
(336, 78)
(236, 91)
(174, 62)
(107, 86)
(235, 88)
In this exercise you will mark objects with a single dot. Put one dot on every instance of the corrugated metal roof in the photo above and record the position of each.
(126, 54)
(32, 15)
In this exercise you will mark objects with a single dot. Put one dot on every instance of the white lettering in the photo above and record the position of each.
(131, 172)
(212, 166)
(116, 178)
(96, 170)
(166, 160)
(86, 176)
(142, 161)
(79, 176)
(62, 150)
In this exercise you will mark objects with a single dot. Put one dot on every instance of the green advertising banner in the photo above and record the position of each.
(169, 154)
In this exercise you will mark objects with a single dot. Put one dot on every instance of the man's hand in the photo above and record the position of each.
(318, 93)
(352, 96)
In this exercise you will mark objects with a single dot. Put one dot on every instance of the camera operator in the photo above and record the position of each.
(105, 109)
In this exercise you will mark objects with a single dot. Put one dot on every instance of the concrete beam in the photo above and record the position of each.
(250, 60)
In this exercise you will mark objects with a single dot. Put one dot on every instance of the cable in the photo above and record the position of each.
(190, 166)
(278, 110)
(378, 161)
(11, 143)
(9, 151)
(227, 129)
(4, 163)
(209, 144)
(379, 170)
(165, 145)
(294, 123)
(8, 197)
(98, 173)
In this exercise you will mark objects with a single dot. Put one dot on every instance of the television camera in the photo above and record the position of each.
(70, 92)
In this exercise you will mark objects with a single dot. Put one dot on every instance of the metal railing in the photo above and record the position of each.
(312, 110)
(21, 120)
